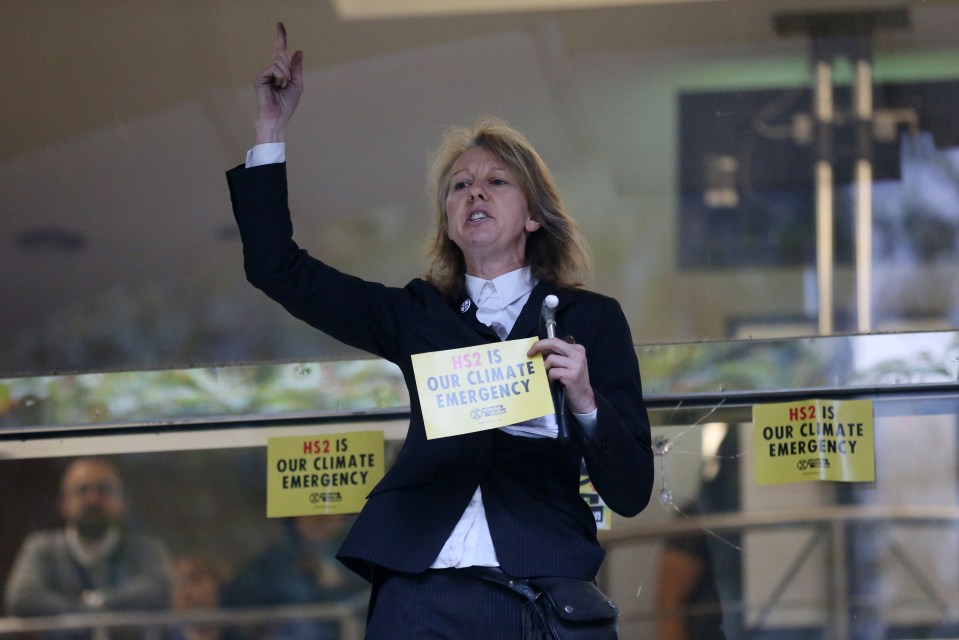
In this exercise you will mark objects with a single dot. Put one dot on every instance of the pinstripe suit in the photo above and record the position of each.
(537, 520)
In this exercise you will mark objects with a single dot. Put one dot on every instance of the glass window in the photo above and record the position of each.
(770, 191)
(684, 136)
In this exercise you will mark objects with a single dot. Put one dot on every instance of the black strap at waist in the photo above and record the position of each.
(498, 576)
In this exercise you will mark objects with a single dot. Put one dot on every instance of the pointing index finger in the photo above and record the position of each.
(280, 38)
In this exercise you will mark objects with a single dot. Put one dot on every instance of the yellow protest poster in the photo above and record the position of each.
(601, 513)
(814, 440)
(322, 474)
(481, 387)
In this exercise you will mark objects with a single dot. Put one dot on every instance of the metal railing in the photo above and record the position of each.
(828, 526)
(349, 614)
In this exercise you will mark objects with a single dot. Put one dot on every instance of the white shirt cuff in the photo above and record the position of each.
(587, 422)
(266, 153)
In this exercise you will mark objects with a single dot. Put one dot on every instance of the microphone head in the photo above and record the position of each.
(548, 313)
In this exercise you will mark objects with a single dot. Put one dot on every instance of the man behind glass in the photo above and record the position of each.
(95, 563)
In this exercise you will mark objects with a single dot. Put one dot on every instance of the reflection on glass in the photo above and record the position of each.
(887, 362)
(687, 154)
(689, 159)
(213, 567)
(699, 569)
(805, 560)
(255, 392)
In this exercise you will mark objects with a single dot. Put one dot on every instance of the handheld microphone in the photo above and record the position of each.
(548, 314)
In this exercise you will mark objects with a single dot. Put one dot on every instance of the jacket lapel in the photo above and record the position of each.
(529, 322)
(467, 310)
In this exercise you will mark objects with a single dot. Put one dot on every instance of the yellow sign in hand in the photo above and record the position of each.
(481, 387)
(814, 440)
(322, 474)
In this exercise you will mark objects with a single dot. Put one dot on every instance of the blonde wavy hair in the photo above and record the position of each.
(556, 253)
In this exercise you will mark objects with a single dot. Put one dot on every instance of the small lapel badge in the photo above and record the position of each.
(465, 306)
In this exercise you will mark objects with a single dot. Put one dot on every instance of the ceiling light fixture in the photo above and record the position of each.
(51, 240)
(386, 9)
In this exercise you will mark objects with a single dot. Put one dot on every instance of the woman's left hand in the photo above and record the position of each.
(566, 363)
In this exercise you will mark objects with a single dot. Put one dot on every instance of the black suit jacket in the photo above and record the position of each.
(539, 523)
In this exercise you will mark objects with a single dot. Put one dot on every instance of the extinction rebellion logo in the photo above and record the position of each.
(334, 496)
(811, 464)
(487, 412)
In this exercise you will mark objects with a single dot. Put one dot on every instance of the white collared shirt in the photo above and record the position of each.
(470, 543)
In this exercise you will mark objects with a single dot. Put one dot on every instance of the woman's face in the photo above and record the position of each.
(487, 212)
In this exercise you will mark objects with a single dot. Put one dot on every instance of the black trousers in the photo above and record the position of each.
(443, 604)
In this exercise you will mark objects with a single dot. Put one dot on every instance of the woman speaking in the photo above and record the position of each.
(473, 535)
